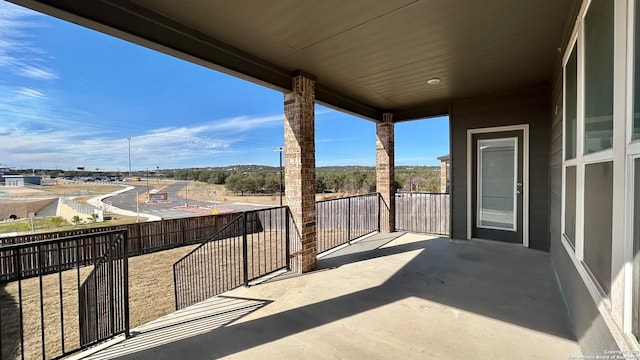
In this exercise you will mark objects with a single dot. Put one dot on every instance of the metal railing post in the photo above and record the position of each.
(94, 272)
(175, 286)
(19, 269)
(349, 220)
(379, 212)
(125, 265)
(1, 351)
(110, 280)
(42, 329)
(287, 214)
(245, 261)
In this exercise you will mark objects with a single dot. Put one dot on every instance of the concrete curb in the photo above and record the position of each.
(98, 201)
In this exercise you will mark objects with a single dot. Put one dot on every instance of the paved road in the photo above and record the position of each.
(175, 208)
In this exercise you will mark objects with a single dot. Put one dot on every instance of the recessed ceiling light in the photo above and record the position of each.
(433, 81)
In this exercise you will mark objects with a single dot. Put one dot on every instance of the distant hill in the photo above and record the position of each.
(256, 168)
(251, 168)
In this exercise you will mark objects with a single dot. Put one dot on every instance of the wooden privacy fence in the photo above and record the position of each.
(143, 238)
(423, 212)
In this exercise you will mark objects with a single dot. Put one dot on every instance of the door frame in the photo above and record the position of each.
(525, 176)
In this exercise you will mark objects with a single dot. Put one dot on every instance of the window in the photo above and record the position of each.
(598, 76)
(570, 205)
(571, 105)
(587, 218)
(598, 221)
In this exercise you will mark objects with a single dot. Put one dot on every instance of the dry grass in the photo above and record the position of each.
(209, 192)
(31, 310)
(220, 265)
(150, 294)
(151, 284)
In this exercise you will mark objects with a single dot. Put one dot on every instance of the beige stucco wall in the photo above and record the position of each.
(68, 213)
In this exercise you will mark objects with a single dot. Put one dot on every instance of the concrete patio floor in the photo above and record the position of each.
(393, 296)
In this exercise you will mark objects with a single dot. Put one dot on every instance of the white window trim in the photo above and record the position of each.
(633, 152)
(628, 265)
(573, 45)
(581, 159)
(616, 309)
(598, 157)
(619, 248)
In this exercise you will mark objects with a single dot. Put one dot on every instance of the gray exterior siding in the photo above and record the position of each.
(524, 107)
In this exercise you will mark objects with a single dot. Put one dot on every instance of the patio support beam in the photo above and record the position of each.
(300, 166)
(385, 172)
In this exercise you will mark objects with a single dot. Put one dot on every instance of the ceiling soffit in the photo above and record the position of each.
(369, 57)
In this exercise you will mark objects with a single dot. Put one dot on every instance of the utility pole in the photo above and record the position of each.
(186, 194)
(129, 138)
(147, 185)
(410, 183)
(281, 174)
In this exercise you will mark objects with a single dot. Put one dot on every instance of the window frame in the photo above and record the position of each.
(632, 153)
(576, 253)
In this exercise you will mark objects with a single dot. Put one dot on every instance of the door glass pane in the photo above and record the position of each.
(598, 221)
(598, 89)
(570, 205)
(496, 183)
(571, 105)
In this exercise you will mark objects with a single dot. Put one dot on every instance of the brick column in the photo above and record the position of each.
(443, 175)
(385, 174)
(300, 167)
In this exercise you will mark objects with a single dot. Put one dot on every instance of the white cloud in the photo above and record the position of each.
(37, 72)
(329, 140)
(30, 93)
(246, 123)
(165, 147)
(18, 53)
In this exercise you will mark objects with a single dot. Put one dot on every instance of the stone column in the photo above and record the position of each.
(300, 168)
(385, 174)
(444, 161)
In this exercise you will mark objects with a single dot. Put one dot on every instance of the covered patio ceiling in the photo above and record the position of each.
(368, 56)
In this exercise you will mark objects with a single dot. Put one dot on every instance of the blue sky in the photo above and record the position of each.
(70, 97)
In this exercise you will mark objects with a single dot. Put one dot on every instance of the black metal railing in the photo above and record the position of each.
(103, 298)
(342, 220)
(40, 316)
(143, 238)
(254, 244)
(423, 212)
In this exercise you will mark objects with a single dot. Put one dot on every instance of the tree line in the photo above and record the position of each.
(259, 179)
(355, 180)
